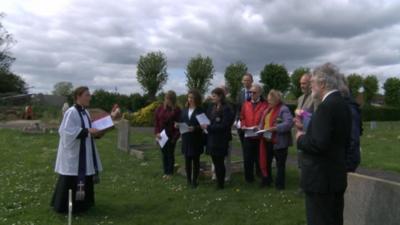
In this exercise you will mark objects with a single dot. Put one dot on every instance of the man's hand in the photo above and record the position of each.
(298, 124)
(299, 133)
(204, 126)
(93, 131)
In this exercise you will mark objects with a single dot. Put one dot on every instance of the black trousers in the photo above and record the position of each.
(60, 197)
(250, 158)
(192, 166)
(219, 163)
(168, 158)
(280, 156)
(324, 209)
(270, 156)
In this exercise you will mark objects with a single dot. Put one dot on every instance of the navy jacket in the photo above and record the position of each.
(192, 142)
(219, 131)
(353, 156)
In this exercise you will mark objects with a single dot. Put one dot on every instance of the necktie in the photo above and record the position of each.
(248, 96)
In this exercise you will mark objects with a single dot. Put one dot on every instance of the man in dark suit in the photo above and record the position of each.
(244, 96)
(323, 146)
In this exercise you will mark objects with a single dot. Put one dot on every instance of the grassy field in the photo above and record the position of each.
(132, 191)
(381, 146)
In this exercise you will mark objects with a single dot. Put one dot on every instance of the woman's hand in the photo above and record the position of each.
(93, 131)
(191, 129)
(158, 136)
(204, 126)
(272, 129)
(176, 125)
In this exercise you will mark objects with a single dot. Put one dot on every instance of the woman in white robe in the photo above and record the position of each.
(78, 162)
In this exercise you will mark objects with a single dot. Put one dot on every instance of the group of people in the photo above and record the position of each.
(327, 124)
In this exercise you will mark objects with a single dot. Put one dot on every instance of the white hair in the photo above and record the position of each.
(259, 88)
(327, 74)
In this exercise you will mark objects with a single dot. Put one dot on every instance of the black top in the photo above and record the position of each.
(192, 142)
(219, 131)
(324, 147)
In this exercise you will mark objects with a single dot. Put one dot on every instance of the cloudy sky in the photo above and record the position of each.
(98, 42)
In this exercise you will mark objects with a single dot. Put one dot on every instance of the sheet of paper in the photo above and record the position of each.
(103, 123)
(163, 139)
(237, 124)
(250, 132)
(203, 119)
(266, 133)
(183, 128)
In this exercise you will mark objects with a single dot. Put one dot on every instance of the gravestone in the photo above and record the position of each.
(373, 125)
(123, 135)
(34, 128)
(371, 201)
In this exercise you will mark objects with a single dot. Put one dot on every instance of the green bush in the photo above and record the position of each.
(105, 100)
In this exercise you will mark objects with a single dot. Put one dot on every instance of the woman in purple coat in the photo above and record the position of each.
(278, 121)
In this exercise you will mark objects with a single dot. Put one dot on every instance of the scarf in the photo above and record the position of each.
(270, 117)
(80, 196)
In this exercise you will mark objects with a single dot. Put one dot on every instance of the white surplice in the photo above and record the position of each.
(69, 146)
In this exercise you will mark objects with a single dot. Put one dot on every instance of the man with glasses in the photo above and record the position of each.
(250, 117)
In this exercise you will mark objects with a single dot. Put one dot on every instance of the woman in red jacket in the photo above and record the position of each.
(165, 117)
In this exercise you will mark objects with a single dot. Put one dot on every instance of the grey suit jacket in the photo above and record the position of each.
(306, 102)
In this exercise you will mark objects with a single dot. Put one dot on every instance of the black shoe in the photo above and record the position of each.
(265, 182)
(280, 188)
(250, 180)
(194, 185)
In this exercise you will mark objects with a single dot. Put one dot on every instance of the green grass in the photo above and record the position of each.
(132, 191)
(381, 146)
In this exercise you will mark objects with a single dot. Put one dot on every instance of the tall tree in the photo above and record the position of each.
(295, 80)
(6, 41)
(12, 83)
(392, 91)
(370, 85)
(152, 73)
(199, 73)
(9, 82)
(233, 76)
(275, 76)
(63, 88)
(355, 82)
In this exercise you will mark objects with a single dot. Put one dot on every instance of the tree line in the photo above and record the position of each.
(152, 76)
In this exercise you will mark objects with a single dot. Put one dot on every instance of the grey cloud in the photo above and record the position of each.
(99, 42)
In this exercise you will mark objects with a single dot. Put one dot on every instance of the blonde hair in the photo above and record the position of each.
(276, 94)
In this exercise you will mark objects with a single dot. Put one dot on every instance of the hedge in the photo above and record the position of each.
(383, 113)
(372, 113)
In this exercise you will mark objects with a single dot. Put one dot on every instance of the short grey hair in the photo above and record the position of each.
(306, 74)
(258, 87)
(327, 74)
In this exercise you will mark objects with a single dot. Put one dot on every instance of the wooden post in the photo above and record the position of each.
(69, 207)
